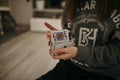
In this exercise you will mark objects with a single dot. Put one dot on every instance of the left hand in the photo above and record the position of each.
(65, 53)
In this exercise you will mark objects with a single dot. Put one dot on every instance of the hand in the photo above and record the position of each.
(48, 34)
(65, 53)
(49, 26)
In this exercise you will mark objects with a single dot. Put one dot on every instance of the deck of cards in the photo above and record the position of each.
(60, 39)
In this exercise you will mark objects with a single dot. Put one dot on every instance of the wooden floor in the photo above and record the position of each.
(25, 57)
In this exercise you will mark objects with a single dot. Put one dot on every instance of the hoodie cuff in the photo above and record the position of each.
(83, 54)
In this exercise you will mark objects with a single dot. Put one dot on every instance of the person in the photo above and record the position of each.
(95, 26)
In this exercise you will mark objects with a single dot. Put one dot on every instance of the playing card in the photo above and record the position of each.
(60, 39)
(59, 36)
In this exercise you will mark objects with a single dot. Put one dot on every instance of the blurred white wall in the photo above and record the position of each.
(37, 24)
(21, 10)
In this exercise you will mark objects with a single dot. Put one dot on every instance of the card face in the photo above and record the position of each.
(60, 39)
(59, 36)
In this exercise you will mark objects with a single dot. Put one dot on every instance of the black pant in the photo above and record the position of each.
(66, 70)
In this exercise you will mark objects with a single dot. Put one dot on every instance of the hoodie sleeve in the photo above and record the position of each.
(104, 55)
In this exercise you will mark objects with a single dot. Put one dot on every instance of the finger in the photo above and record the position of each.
(60, 51)
(49, 43)
(49, 26)
(48, 35)
(62, 56)
(50, 52)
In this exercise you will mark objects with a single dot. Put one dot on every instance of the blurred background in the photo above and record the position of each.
(24, 51)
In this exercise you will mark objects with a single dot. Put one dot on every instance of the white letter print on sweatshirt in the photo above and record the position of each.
(87, 35)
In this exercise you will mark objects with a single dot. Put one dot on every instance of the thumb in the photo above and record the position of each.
(49, 26)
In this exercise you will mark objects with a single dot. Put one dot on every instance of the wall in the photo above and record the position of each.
(21, 10)
(37, 24)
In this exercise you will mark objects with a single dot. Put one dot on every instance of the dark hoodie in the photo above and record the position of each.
(98, 42)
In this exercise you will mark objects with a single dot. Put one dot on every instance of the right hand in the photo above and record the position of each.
(48, 34)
